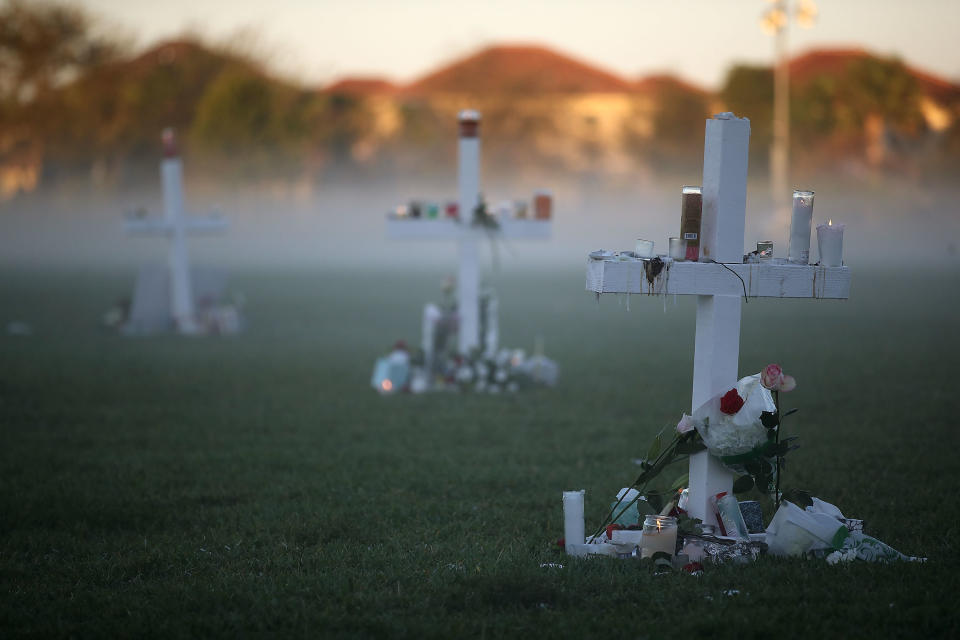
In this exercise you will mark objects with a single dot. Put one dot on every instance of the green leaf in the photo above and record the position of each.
(655, 500)
(743, 484)
(686, 524)
(680, 482)
(689, 448)
(655, 447)
(790, 412)
(775, 449)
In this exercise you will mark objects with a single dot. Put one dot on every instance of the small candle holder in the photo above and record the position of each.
(830, 244)
(659, 534)
(644, 248)
(800, 223)
(678, 249)
(765, 250)
(520, 209)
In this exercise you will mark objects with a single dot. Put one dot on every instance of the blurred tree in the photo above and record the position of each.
(236, 114)
(748, 91)
(252, 122)
(339, 127)
(44, 45)
(117, 110)
(813, 112)
(871, 108)
(879, 87)
(679, 112)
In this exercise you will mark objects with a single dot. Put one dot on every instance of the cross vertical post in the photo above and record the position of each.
(717, 347)
(469, 234)
(175, 225)
(718, 287)
(468, 280)
(181, 291)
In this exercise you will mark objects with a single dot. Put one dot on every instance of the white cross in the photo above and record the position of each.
(467, 236)
(718, 291)
(175, 225)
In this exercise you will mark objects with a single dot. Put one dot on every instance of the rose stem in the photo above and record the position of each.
(776, 401)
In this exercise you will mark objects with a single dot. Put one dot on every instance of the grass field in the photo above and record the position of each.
(178, 487)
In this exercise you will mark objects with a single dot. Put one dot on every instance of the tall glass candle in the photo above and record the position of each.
(830, 243)
(691, 211)
(659, 534)
(573, 527)
(678, 249)
(542, 204)
(800, 224)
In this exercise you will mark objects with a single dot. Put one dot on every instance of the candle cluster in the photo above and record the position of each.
(686, 246)
(542, 207)
(829, 236)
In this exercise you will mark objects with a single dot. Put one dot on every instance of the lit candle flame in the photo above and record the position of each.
(830, 222)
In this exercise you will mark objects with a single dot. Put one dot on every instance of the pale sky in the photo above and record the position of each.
(321, 40)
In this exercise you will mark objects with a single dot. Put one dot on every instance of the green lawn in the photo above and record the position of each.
(195, 487)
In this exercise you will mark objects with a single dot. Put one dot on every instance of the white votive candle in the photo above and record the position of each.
(800, 224)
(830, 243)
(659, 534)
(644, 248)
(573, 533)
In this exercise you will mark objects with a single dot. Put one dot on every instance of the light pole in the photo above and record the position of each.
(775, 21)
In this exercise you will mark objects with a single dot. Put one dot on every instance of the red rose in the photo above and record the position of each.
(731, 402)
(611, 528)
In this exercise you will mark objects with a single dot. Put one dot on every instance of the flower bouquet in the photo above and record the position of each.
(741, 428)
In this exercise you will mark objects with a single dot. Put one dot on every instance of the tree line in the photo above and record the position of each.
(77, 100)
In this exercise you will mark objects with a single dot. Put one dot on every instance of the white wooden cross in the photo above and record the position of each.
(468, 237)
(718, 290)
(175, 225)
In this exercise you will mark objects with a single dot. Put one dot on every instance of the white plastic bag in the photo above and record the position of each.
(728, 435)
(794, 531)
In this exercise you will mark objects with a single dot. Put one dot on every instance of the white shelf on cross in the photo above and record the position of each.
(773, 279)
(449, 229)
